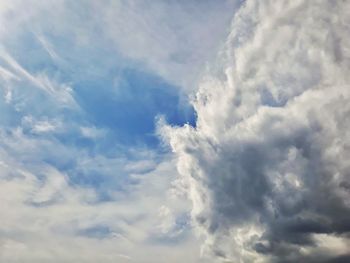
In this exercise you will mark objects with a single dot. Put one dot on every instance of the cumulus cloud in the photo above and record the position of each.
(266, 166)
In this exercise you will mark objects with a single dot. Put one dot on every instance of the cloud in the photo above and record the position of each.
(266, 165)
(175, 40)
(73, 190)
(51, 218)
(81, 72)
(80, 181)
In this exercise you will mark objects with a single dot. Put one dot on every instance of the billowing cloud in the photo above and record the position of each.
(266, 166)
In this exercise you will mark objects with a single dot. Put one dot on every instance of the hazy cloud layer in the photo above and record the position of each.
(48, 218)
(82, 175)
(267, 165)
(174, 39)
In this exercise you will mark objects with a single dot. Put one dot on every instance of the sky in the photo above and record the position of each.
(174, 131)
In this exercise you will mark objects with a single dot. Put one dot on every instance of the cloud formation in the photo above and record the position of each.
(266, 166)
(100, 208)
(82, 175)
(173, 39)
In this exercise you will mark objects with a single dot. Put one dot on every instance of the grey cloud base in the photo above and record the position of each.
(267, 165)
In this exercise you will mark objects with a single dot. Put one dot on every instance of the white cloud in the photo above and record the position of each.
(41, 126)
(171, 39)
(176, 40)
(68, 195)
(266, 165)
(48, 218)
(18, 80)
(92, 132)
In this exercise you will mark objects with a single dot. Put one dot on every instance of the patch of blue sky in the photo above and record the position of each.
(98, 232)
(125, 101)
(129, 103)
(119, 98)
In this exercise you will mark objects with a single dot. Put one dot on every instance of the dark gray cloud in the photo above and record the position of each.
(266, 165)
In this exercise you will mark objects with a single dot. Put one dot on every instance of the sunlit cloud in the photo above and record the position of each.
(174, 131)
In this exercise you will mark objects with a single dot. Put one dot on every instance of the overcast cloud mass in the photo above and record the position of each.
(174, 131)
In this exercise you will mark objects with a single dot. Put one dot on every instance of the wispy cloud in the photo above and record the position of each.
(50, 218)
(82, 173)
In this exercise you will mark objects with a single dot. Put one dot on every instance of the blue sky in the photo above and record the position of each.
(83, 87)
(155, 131)
(88, 97)
(111, 93)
